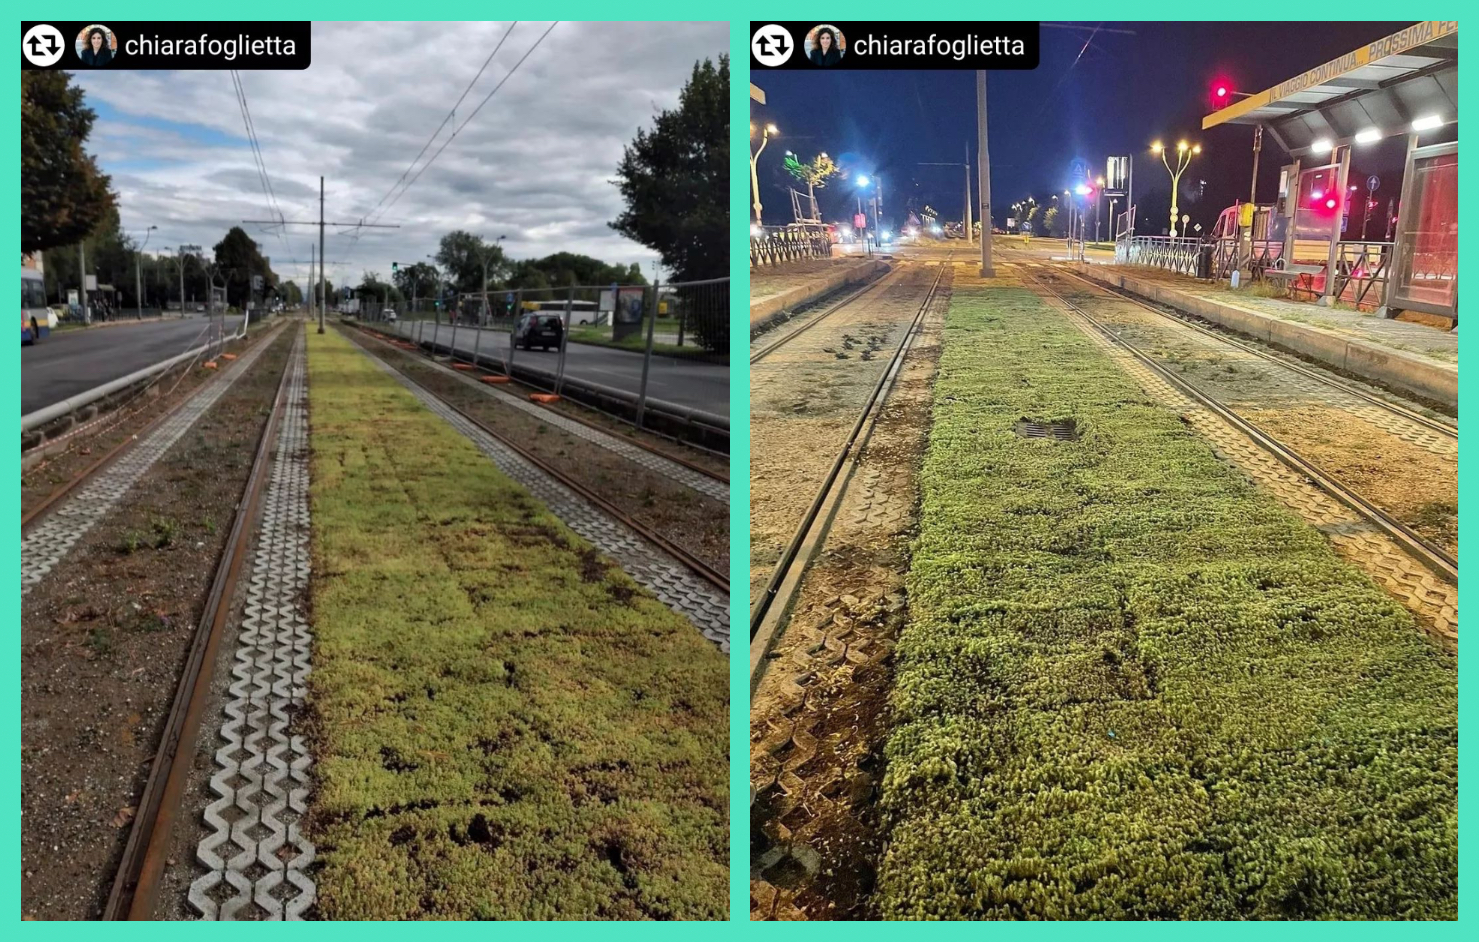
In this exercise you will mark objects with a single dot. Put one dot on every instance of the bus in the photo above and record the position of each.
(581, 312)
(37, 319)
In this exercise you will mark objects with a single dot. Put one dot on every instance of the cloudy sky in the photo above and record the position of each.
(535, 164)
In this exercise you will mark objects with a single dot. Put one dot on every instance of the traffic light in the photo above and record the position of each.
(395, 267)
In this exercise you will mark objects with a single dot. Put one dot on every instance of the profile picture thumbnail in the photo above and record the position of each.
(96, 46)
(825, 45)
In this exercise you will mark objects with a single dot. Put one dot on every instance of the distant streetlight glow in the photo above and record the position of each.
(862, 179)
(1184, 153)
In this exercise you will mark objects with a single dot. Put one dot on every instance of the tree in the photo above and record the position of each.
(813, 173)
(567, 268)
(291, 294)
(418, 280)
(110, 256)
(462, 255)
(675, 179)
(1050, 221)
(64, 193)
(238, 258)
(373, 289)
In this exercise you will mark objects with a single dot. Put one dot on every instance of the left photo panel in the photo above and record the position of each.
(375, 471)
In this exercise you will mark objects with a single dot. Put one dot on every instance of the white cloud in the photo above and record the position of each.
(534, 164)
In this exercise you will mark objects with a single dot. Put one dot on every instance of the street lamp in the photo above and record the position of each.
(139, 274)
(489, 251)
(765, 134)
(1184, 153)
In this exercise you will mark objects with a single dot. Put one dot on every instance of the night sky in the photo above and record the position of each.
(1115, 97)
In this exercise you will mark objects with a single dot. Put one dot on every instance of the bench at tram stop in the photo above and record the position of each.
(1297, 279)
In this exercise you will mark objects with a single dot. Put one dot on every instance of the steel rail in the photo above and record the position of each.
(676, 459)
(136, 883)
(866, 418)
(112, 453)
(1441, 428)
(703, 569)
(1435, 559)
(816, 319)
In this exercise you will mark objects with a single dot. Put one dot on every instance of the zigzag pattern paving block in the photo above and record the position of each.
(256, 858)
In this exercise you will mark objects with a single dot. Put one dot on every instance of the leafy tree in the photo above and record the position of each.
(568, 268)
(1050, 221)
(418, 280)
(462, 255)
(371, 288)
(813, 173)
(290, 293)
(237, 259)
(675, 179)
(64, 193)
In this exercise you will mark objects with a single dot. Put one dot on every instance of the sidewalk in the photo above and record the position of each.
(1413, 357)
(782, 287)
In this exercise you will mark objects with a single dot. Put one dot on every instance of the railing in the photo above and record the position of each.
(1178, 255)
(773, 246)
(1361, 273)
(1228, 255)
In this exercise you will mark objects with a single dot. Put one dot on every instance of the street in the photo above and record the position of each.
(691, 384)
(74, 361)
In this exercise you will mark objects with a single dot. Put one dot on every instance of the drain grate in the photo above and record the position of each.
(1063, 430)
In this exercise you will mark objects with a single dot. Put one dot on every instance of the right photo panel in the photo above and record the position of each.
(1104, 470)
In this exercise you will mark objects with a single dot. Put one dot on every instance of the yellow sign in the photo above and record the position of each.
(1399, 42)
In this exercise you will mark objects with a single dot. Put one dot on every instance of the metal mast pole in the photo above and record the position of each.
(322, 298)
(1257, 146)
(969, 229)
(987, 270)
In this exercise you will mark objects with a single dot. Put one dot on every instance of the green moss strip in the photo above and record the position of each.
(506, 725)
(1134, 686)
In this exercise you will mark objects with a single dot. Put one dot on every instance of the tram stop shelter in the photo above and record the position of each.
(1402, 84)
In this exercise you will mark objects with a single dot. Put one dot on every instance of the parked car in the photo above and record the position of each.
(538, 330)
(389, 315)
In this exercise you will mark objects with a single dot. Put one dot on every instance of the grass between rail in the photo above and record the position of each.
(506, 725)
(1132, 684)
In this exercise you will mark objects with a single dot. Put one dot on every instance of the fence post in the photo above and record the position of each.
(454, 338)
(436, 330)
(477, 340)
(564, 339)
(682, 322)
(647, 357)
(513, 333)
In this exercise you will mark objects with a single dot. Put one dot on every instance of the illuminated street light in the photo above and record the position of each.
(1184, 153)
(755, 156)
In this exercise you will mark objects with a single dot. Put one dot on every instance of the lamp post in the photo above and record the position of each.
(765, 134)
(1184, 153)
(139, 274)
(489, 251)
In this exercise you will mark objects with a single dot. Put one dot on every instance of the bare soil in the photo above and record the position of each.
(694, 521)
(816, 758)
(805, 398)
(103, 640)
(129, 419)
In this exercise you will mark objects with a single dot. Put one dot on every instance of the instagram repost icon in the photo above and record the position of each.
(772, 45)
(42, 45)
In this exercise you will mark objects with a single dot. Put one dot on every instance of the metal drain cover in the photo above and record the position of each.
(1063, 430)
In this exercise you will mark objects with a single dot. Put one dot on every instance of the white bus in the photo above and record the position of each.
(37, 319)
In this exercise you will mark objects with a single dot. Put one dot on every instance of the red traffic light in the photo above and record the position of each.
(1331, 202)
(1221, 91)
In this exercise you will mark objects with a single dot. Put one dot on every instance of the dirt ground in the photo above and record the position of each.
(1394, 463)
(819, 716)
(102, 643)
(694, 521)
(805, 398)
(127, 420)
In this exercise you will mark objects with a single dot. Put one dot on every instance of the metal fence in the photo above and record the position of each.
(662, 330)
(1361, 270)
(1178, 254)
(775, 246)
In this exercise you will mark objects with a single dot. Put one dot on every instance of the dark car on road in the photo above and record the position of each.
(538, 330)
